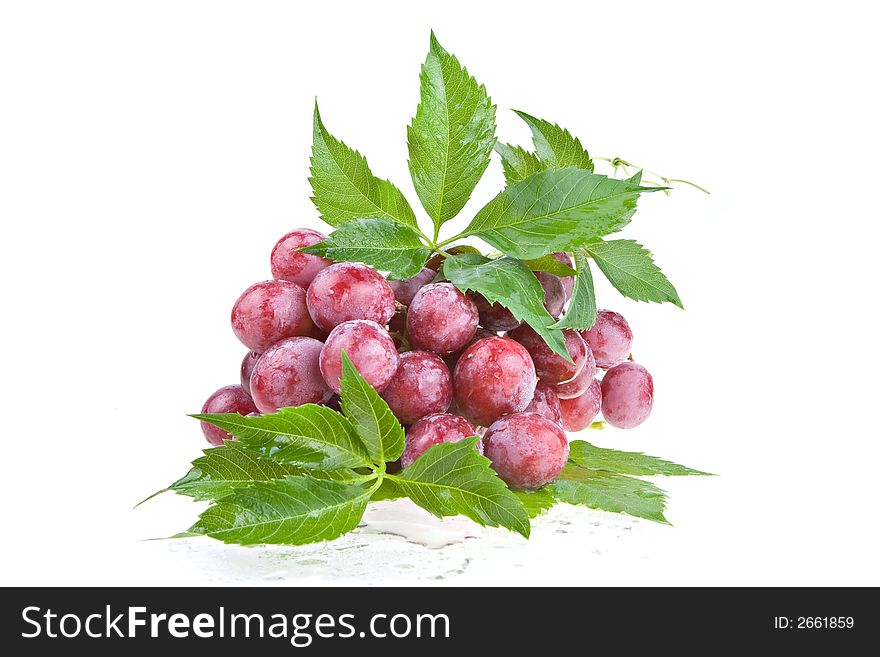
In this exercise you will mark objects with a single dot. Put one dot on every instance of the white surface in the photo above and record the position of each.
(151, 154)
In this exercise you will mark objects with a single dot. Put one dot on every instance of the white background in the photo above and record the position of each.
(152, 153)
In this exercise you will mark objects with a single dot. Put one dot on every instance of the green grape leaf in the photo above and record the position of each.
(454, 479)
(233, 465)
(451, 136)
(344, 188)
(555, 210)
(291, 511)
(370, 415)
(550, 265)
(226, 467)
(581, 312)
(556, 147)
(631, 270)
(380, 243)
(609, 491)
(536, 502)
(587, 455)
(309, 436)
(510, 283)
(517, 162)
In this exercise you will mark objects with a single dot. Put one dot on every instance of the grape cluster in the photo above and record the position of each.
(450, 365)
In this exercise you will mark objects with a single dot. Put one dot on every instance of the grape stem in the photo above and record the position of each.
(619, 162)
(367, 477)
(434, 245)
(379, 477)
(437, 247)
(394, 477)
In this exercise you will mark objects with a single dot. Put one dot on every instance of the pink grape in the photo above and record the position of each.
(526, 450)
(347, 291)
(406, 289)
(493, 316)
(247, 366)
(270, 311)
(551, 367)
(578, 385)
(452, 359)
(228, 399)
(627, 395)
(493, 377)
(288, 375)
(567, 281)
(370, 349)
(433, 430)
(435, 262)
(579, 412)
(441, 319)
(554, 292)
(288, 264)
(610, 338)
(421, 386)
(545, 403)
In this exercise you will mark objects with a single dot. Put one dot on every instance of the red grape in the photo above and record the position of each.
(229, 399)
(493, 316)
(270, 311)
(435, 262)
(347, 291)
(551, 367)
(579, 384)
(288, 375)
(526, 450)
(610, 338)
(554, 292)
(579, 412)
(288, 264)
(405, 290)
(567, 281)
(627, 395)
(247, 366)
(370, 349)
(452, 359)
(494, 376)
(421, 386)
(545, 403)
(433, 430)
(441, 319)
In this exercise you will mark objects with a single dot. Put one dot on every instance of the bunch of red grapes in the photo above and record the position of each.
(449, 365)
